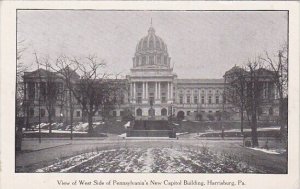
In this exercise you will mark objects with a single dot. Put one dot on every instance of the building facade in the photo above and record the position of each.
(154, 90)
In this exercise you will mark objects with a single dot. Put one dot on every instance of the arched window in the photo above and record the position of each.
(164, 112)
(151, 45)
(144, 44)
(139, 112)
(180, 115)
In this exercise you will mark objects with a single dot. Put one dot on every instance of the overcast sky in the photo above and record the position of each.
(201, 44)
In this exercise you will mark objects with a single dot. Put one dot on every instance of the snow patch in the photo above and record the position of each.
(265, 150)
(123, 135)
(127, 124)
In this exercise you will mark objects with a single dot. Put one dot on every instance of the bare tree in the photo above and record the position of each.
(254, 90)
(243, 91)
(280, 78)
(50, 88)
(93, 91)
(63, 67)
(235, 91)
(21, 68)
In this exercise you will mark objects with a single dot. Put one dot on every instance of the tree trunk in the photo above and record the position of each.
(50, 122)
(27, 118)
(71, 123)
(71, 113)
(254, 130)
(90, 121)
(242, 121)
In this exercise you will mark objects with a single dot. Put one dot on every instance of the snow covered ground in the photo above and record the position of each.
(53, 131)
(60, 128)
(150, 160)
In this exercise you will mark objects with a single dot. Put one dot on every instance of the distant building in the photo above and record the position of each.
(151, 91)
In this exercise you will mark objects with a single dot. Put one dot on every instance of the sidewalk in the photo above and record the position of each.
(28, 146)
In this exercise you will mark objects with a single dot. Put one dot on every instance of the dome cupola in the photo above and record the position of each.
(151, 51)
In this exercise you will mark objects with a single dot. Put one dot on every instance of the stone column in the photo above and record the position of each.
(155, 93)
(131, 90)
(157, 100)
(143, 94)
(134, 91)
(147, 90)
(171, 91)
(159, 93)
(199, 96)
(168, 93)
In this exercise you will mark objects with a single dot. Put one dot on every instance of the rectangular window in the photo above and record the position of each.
(188, 113)
(181, 99)
(158, 59)
(151, 60)
(151, 100)
(209, 100)
(195, 99)
(114, 113)
(163, 99)
(139, 100)
(188, 99)
(78, 113)
(202, 100)
(121, 113)
(217, 99)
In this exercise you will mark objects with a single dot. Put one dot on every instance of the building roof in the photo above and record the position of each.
(202, 81)
(151, 42)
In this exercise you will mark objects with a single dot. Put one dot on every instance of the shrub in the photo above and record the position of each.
(248, 143)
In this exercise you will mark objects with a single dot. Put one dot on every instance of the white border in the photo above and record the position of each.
(12, 180)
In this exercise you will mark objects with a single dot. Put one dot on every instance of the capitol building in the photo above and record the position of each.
(155, 92)
(154, 84)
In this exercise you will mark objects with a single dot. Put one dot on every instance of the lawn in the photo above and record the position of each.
(144, 156)
(151, 160)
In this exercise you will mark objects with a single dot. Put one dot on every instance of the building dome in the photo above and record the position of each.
(151, 51)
